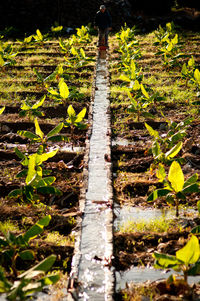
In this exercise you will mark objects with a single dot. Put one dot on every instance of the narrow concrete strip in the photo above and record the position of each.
(95, 274)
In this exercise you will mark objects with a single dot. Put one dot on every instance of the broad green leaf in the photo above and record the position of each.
(156, 151)
(19, 154)
(1, 110)
(46, 181)
(26, 255)
(190, 253)
(176, 176)
(15, 193)
(73, 51)
(193, 179)
(191, 62)
(151, 131)
(44, 157)
(125, 78)
(196, 230)
(55, 130)
(158, 193)
(81, 115)
(31, 169)
(49, 190)
(25, 106)
(165, 261)
(39, 103)
(144, 92)
(71, 111)
(191, 188)
(136, 85)
(40, 36)
(49, 280)
(64, 91)
(197, 75)
(43, 266)
(53, 92)
(160, 173)
(37, 229)
(38, 130)
(82, 53)
(173, 151)
(28, 134)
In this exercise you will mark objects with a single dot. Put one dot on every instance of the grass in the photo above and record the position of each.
(59, 239)
(159, 225)
(8, 226)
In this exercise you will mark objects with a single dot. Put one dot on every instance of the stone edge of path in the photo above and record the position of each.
(73, 285)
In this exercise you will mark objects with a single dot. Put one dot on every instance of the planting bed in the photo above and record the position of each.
(19, 82)
(141, 227)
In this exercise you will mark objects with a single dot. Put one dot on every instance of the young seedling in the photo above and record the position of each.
(30, 282)
(185, 260)
(14, 246)
(61, 95)
(165, 147)
(35, 183)
(27, 109)
(44, 81)
(175, 188)
(40, 137)
(7, 55)
(140, 100)
(74, 120)
(187, 71)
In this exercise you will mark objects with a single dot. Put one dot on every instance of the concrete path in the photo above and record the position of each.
(96, 245)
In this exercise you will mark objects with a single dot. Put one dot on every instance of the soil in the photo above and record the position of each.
(134, 173)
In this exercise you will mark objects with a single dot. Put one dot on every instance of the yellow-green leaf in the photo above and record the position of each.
(151, 131)
(136, 85)
(190, 253)
(144, 91)
(38, 130)
(40, 36)
(71, 111)
(176, 176)
(81, 115)
(1, 110)
(64, 91)
(197, 75)
(31, 169)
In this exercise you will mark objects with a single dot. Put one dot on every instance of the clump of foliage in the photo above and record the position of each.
(175, 187)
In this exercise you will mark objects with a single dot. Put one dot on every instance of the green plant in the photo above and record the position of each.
(31, 281)
(1, 110)
(170, 51)
(31, 110)
(13, 246)
(74, 120)
(140, 100)
(7, 55)
(162, 34)
(187, 71)
(77, 59)
(61, 95)
(185, 260)
(165, 147)
(44, 81)
(40, 137)
(175, 188)
(82, 34)
(35, 183)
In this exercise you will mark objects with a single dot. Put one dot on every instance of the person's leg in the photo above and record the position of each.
(101, 37)
(106, 36)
